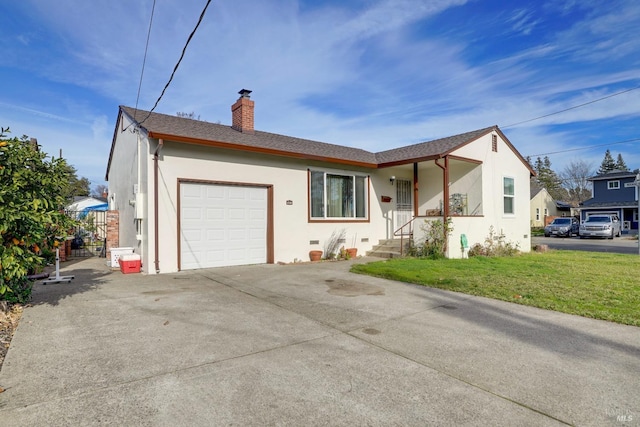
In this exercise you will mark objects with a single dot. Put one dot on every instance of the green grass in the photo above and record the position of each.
(597, 285)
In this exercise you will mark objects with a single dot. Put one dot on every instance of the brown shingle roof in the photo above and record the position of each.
(430, 149)
(163, 124)
(181, 129)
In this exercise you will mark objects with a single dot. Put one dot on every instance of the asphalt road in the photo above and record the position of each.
(621, 245)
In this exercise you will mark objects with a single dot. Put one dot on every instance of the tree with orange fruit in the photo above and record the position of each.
(31, 211)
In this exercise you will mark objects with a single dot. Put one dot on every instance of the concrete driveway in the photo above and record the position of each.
(306, 344)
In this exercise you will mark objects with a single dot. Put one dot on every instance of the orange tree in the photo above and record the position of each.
(31, 211)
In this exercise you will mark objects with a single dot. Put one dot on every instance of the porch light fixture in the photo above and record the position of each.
(392, 179)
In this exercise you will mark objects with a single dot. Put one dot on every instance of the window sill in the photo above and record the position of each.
(338, 220)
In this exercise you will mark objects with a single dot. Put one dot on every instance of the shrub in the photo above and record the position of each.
(31, 211)
(332, 244)
(435, 242)
(48, 256)
(537, 231)
(18, 290)
(494, 246)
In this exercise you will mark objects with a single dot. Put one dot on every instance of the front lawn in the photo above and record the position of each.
(598, 285)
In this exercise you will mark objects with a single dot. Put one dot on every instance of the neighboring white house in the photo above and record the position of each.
(193, 194)
(80, 203)
(90, 213)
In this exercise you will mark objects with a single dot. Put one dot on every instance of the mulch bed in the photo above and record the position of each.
(9, 317)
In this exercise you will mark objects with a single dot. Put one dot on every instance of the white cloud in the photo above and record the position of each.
(523, 21)
(356, 73)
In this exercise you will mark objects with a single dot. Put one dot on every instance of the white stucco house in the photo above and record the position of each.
(192, 194)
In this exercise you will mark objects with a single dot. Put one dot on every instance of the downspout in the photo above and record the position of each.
(415, 190)
(445, 196)
(138, 207)
(156, 229)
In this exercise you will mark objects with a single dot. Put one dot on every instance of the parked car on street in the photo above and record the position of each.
(600, 226)
(564, 227)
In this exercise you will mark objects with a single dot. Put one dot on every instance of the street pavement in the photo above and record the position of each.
(306, 344)
(621, 245)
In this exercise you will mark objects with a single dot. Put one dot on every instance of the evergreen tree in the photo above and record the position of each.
(621, 165)
(76, 187)
(549, 179)
(608, 164)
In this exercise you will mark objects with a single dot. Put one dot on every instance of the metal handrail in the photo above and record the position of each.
(402, 234)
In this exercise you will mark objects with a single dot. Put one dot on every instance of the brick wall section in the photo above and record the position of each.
(242, 115)
(62, 251)
(113, 231)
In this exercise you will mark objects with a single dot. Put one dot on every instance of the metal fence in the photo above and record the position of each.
(89, 234)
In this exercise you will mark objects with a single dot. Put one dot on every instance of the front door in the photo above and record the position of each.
(404, 206)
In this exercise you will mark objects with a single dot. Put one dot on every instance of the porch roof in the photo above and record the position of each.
(429, 150)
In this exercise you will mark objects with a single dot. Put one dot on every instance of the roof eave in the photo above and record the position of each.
(261, 150)
(113, 143)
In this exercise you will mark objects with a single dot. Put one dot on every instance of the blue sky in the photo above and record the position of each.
(373, 74)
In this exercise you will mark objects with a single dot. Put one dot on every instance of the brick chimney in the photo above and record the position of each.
(242, 113)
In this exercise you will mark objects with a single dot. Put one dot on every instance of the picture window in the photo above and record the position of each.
(337, 195)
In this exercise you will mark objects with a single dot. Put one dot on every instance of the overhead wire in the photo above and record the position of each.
(144, 59)
(202, 14)
(572, 108)
(585, 148)
(184, 49)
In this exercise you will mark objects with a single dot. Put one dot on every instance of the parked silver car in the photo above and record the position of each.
(562, 227)
(600, 226)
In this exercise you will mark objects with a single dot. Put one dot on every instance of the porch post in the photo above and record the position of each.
(415, 190)
(445, 196)
(445, 186)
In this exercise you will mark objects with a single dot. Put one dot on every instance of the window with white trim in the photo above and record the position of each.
(337, 195)
(508, 195)
(635, 216)
(613, 185)
(537, 214)
(546, 212)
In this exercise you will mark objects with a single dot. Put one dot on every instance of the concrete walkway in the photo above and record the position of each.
(306, 344)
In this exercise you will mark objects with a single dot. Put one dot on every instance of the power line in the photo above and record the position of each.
(572, 108)
(585, 148)
(144, 59)
(184, 49)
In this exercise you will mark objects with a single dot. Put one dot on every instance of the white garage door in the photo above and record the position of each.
(222, 225)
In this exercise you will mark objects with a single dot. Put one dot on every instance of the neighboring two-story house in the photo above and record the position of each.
(614, 193)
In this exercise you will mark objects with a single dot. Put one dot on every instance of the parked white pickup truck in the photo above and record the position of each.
(600, 226)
